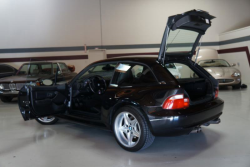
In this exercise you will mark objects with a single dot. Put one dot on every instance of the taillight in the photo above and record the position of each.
(176, 102)
(216, 93)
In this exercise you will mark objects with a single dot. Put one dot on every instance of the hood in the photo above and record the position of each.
(19, 78)
(221, 71)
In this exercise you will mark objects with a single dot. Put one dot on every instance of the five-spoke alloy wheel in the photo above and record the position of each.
(131, 129)
(127, 129)
(47, 120)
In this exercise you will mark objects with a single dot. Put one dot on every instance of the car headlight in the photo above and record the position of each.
(236, 74)
(1, 86)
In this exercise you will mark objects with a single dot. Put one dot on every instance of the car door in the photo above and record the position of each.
(182, 35)
(85, 104)
(40, 101)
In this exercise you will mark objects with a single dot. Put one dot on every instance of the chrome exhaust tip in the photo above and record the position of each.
(196, 130)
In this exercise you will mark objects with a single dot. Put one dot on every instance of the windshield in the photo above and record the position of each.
(181, 40)
(170, 65)
(35, 69)
(214, 63)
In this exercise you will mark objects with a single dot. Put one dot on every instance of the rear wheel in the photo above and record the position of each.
(6, 99)
(237, 86)
(131, 129)
(47, 120)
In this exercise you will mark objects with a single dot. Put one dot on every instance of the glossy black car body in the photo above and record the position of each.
(106, 89)
(7, 70)
(148, 99)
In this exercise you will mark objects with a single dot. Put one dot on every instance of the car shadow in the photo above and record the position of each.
(230, 88)
(163, 150)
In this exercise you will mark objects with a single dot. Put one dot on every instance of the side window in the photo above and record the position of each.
(5, 69)
(24, 69)
(46, 68)
(54, 68)
(104, 70)
(64, 68)
(132, 75)
(181, 71)
(34, 69)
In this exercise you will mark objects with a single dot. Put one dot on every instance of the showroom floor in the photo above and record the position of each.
(30, 144)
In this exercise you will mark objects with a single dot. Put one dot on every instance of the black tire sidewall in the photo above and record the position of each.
(238, 86)
(143, 126)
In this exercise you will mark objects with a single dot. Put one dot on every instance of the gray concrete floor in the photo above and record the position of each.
(30, 144)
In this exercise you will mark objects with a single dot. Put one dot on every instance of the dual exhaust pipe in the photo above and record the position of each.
(198, 128)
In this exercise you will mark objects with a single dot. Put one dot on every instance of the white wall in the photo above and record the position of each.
(61, 23)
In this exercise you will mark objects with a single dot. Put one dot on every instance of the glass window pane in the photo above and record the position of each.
(106, 71)
(213, 63)
(24, 70)
(132, 74)
(34, 69)
(64, 68)
(181, 40)
(181, 71)
(46, 68)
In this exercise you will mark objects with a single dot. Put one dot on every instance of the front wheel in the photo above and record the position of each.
(47, 120)
(131, 129)
(237, 86)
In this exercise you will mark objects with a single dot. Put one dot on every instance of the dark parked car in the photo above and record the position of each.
(33, 74)
(7, 70)
(136, 98)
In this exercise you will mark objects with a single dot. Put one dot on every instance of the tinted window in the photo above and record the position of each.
(24, 69)
(185, 37)
(46, 68)
(132, 74)
(5, 69)
(105, 70)
(214, 63)
(34, 69)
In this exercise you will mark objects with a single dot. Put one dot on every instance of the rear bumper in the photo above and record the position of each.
(179, 122)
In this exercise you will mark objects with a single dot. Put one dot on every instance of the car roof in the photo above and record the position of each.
(146, 60)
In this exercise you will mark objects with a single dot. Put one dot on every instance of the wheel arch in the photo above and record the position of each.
(131, 104)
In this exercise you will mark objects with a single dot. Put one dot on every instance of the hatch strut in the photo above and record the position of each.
(197, 53)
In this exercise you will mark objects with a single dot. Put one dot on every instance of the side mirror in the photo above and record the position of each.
(233, 64)
(179, 67)
(47, 82)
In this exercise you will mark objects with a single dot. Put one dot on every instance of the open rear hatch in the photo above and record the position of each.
(182, 34)
(181, 37)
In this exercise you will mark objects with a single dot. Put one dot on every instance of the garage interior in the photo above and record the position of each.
(80, 32)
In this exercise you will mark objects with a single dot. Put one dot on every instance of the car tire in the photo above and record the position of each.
(136, 129)
(6, 99)
(47, 120)
(237, 86)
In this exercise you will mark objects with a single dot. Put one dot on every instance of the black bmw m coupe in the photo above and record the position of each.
(137, 98)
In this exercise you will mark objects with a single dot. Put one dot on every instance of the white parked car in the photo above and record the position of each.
(174, 70)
